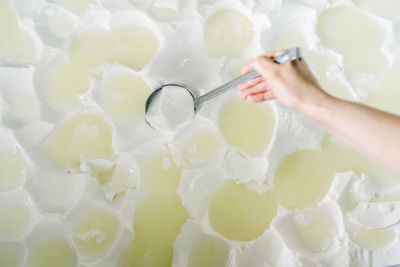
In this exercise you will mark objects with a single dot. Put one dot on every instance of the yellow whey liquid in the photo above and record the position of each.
(157, 221)
(124, 96)
(252, 135)
(387, 94)
(15, 219)
(17, 45)
(134, 46)
(304, 177)
(81, 137)
(202, 146)
(209, 251)
(227, 33)
(159, 172)
(240, 213)
(11, 255)
(50, 252)
(64, 83)
(336, 25)
(12, 169)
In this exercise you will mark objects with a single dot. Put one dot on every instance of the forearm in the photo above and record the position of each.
(374, 133)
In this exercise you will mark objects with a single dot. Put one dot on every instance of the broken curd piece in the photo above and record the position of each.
(312, 230)
(168, 9)
(385, 8)
(78, 6)
(95, 232)
(317, 234)
(375, 238)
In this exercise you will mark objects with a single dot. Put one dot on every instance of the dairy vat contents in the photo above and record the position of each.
(84, 181)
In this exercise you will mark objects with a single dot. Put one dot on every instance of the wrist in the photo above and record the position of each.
(315, 105)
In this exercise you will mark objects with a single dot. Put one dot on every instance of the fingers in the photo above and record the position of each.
(259, 88)
(255, 98)
(250, 66)
(250, 83)
(257, 93)
(261, 97)
(269, 95)
(256, 90)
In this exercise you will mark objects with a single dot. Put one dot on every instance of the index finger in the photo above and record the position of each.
(247, 68)
(250, 66)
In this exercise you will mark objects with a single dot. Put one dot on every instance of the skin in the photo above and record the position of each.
(376, 134)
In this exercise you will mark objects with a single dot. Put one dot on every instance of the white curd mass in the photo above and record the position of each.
(85, 181)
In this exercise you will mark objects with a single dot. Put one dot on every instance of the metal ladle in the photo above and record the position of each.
(289, 55)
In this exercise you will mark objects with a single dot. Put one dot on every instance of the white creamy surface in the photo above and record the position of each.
(169, 108)
(84, 181)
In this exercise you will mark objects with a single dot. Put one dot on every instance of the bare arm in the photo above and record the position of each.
(374, 133)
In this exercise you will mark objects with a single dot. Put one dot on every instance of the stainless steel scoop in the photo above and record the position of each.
(289, 55)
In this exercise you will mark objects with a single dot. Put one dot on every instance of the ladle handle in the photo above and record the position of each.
(289, 55)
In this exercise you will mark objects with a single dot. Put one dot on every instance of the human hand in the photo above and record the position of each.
(292, 83)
